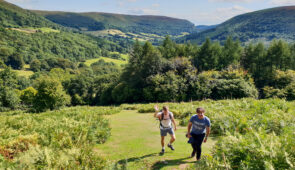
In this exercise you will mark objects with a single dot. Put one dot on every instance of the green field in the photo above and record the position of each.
(106, 59)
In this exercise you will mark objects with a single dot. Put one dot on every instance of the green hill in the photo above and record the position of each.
(95, 21)
(263, 25)
(27, 36)
(14, 16)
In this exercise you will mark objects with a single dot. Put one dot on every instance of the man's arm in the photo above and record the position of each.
(156, 111)
(207, 133)
(173, 121)
(189, 126)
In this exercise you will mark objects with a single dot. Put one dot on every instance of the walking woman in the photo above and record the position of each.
(198, 131)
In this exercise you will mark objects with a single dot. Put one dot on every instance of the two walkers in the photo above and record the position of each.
(198, 129)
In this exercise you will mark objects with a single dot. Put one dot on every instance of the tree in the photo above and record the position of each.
(35, 65)
(9, 97)
(168, 48)
(279, 56)
(208, 56)
(50, 95)
(231, 53)
(80, 87)
(15, 61)
(253, 61)
(167, 87)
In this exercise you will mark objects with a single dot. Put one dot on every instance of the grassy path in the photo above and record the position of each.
(135, 143)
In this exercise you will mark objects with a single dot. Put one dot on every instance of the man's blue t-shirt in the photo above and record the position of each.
(199, 125)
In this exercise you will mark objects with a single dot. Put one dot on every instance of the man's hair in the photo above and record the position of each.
(200, 110)
(165, 108)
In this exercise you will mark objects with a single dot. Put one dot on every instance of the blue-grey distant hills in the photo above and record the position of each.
(264, 25)
(201, 28)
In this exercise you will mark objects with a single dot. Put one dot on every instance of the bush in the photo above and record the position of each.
(50, 95)
(227, 84)
(282, 86)
(27, 95)
(9, 98)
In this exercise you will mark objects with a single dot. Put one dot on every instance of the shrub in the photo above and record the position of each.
(27, 95)
(50, 95)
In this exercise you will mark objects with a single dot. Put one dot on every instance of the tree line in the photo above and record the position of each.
(169, 72)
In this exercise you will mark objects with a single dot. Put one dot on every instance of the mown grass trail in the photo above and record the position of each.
(135, 144)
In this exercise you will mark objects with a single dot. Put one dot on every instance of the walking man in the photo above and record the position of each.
(166, 119)
(199, 133)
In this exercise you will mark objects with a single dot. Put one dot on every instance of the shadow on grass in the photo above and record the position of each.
(162, 164)
(123, 162)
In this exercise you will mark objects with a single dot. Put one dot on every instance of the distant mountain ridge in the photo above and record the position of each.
(201, 28)
(94, 21)
(263, 25)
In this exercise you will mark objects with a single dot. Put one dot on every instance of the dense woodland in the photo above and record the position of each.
(169, 72)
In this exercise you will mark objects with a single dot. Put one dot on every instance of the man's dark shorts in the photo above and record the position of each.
(164, 132)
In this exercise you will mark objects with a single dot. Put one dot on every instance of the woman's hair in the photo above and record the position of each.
(200, 110)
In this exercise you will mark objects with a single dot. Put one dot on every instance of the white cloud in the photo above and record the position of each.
(143, 11)
(282, 2)
(155, 5)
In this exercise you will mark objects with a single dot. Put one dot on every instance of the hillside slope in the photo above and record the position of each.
(29, 36)
(95, 21)
(14, 16)
(263, 25)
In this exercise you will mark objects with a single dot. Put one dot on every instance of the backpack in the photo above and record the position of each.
(162, 117)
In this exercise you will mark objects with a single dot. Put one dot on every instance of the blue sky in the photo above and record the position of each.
(200, 12)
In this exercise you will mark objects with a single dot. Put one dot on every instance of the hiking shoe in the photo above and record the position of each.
(171, 147)
(193, 154)
(162, 151)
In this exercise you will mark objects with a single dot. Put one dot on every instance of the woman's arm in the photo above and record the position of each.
(207, 133)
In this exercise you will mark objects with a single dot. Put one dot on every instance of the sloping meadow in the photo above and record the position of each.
(61, 139)
(253, 134)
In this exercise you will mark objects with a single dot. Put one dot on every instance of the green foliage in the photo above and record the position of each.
(101, 67)
(28, 95)
(13, 16)
(50, 95)
(208, 57)
(168, 48)
(35, 65)
(282, 85)
(255, 151)
(167, 87)
(9, 97)
(61, 139)
(231, 53)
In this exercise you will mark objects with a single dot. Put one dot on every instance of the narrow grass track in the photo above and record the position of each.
(135, 144)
